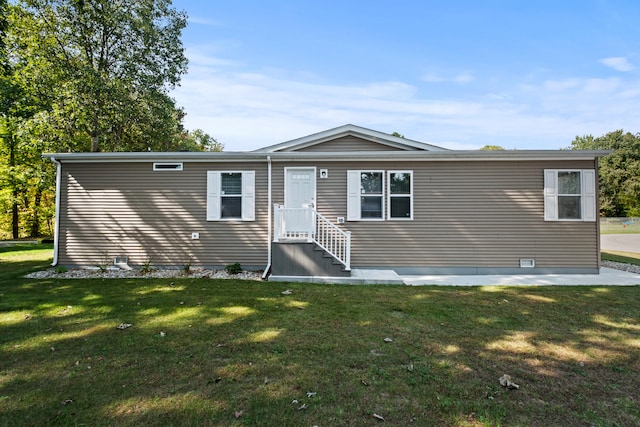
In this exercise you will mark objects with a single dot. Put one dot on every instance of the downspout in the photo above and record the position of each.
(266, 270)
(56, 229)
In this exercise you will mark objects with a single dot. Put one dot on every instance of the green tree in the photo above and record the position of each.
(80, 75)
(492, 148)
(199, 140)
(115, 62)
(19, 102)
(619, 172)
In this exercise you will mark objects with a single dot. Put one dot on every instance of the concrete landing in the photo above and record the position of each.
(358, 277)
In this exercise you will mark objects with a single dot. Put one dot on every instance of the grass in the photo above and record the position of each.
(624, 257)
(233, 353)
(619, 226)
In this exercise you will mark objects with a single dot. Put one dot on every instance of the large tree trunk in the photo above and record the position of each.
(15, 229)
(35, 224)
(95, 147)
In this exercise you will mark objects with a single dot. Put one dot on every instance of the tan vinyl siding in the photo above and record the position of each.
(466, 214)
(126, 209)
(350, 143)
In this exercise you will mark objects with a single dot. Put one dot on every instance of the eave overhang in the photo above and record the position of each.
(355, 156)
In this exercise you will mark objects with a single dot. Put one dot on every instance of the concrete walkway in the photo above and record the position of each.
(607, 277)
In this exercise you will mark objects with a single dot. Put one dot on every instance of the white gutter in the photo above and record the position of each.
(56, 230)
(266, 270)
(345, 156)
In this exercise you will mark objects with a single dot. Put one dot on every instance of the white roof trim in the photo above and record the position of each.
(359, 156)
(349, 129)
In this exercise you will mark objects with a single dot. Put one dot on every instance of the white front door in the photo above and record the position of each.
(299, 193)
(299, 187)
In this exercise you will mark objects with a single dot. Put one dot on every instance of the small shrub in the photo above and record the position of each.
(104, 263)
(186, 267)
(146, 267)
(61, 269)
(233, 268)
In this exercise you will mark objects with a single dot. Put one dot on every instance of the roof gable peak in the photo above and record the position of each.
(384, 139)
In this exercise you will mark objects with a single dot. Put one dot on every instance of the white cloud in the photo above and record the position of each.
(461, 78)
(618, 63)
(249, 110)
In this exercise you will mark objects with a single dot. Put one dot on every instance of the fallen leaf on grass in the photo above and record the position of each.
(311, 393)
(123, 326)
(505, 381)
(304, 406)
(388, 340)
(378, 417)
(287, 292)
(238, 414)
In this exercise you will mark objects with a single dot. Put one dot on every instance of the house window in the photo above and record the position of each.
(569, 195)
(400, 195)
(371, 191)
(230, 195)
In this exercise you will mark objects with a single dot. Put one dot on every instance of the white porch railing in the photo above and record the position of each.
(307, 224)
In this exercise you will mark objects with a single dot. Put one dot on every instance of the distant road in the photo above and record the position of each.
(620, 242)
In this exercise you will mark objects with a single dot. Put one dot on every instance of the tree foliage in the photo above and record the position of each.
(199, 140)
(619, 171)
(83, 75)
(115, 61)
(492, 148)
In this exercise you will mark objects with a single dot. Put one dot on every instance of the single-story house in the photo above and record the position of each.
(324, 204)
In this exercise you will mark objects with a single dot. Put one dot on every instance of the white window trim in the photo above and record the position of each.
(389, 196)
(176, 167)
(587, 195)
(214, 196)
(354, 194)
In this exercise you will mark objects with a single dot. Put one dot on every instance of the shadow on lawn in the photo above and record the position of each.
(229, 352)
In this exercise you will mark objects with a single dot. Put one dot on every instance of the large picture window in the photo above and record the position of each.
(570, 195)
(379, 195)
(231, 195)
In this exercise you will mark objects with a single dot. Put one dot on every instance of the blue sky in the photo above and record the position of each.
(459, 74)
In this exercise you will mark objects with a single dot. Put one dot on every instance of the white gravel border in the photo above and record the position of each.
(156, 273)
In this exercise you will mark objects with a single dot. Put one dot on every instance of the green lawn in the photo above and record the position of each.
(221, 353)
(619, 226)
(624, 257)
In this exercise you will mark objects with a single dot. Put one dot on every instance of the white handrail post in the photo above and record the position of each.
(276, 222)
(348, 251)
(310, 219)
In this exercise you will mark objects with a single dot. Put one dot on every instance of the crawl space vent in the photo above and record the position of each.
(527, 263)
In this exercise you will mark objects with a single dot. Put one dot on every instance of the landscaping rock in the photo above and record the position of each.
(195, 273)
